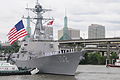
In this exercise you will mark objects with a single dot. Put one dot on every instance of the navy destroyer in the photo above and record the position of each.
(43, 53)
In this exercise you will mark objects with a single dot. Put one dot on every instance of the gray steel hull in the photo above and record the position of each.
(56, 64)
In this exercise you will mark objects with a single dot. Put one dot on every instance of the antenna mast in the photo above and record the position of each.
(37, 2)
(39, 32)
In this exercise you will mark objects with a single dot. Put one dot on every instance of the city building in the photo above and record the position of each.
(73, 33)
(28, 29)
(96, 31)
(68, 33)
(49, 32)
(4, 43)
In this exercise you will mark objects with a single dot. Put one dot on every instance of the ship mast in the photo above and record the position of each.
(39, 32)
(28, 28)
(37, 2)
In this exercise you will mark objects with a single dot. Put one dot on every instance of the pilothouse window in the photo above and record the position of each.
(51, 45)
(23, 51)
(17, 55)
(25, 44)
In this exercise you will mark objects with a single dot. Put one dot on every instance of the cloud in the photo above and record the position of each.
(81, 14)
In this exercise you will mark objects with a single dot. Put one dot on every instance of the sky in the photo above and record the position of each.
(80, 13)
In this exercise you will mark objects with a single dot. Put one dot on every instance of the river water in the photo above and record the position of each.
(83, 72)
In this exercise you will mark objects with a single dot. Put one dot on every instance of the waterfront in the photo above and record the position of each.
(84, 72)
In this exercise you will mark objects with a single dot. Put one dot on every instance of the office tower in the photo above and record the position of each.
(49, 32)
(68, 33)
(96, 31)
(73, 33)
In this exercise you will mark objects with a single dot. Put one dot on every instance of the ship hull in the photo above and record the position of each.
(55, 64)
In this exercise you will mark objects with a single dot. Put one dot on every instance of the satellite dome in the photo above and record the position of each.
(38, 8)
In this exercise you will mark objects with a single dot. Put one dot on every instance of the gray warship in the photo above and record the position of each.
(45, 54)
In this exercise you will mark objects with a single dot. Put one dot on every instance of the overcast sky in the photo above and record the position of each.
(81, 14)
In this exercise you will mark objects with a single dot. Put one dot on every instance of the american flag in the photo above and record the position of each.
(17, 32)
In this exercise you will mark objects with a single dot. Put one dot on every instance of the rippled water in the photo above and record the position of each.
(84, 72)
(97, 72)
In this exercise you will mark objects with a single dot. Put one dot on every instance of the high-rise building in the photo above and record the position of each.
(65, 32)
(68, 33)
(96, 31)
(49, 32)
(73, 33)
(28, 28)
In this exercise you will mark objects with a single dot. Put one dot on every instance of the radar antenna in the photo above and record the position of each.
(39, 32)
(37, 2)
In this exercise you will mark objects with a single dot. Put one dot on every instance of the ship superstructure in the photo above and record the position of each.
(44, 54)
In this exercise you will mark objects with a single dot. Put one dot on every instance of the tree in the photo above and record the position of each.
(14, 48)
(93, 58)
(113, 55)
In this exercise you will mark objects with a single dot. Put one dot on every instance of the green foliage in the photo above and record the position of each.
(97, 58)
(92, 58)
(113, 55)
(10, 49)
(15, 47)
